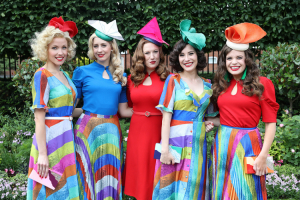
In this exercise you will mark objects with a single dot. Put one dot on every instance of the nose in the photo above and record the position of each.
(151, 55)
(186, 58)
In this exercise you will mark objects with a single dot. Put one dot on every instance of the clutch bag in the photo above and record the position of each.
(249, 161)
(175, 151)
(51, 181)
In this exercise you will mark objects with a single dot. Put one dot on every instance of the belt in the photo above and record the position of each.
(147, 113)
(60, 118)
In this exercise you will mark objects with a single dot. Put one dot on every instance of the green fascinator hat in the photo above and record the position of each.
(196, 40)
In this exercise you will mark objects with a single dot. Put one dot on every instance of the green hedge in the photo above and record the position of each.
(20, 19)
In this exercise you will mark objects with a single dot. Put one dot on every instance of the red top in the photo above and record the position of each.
(243, 111)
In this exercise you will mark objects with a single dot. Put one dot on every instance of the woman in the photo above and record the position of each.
(144, 87)
(98, 137)
(184, 102)
(238, 82)
(54, 97)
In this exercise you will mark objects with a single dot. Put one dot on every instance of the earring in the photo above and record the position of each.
(226, 77)
(244, 75)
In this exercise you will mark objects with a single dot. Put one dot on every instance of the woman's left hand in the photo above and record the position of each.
(260, 165)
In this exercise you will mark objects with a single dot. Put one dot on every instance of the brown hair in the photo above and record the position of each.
(251, 84)
(174, 57)
(138, 69)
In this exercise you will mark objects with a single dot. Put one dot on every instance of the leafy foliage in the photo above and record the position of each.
(282, 65)
(20, 19)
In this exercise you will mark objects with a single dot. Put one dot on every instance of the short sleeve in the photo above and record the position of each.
(77, 80)
(40, 90)
(268, 103)
(167, 98)
(211, 111)
(123, 96)
(129, 85)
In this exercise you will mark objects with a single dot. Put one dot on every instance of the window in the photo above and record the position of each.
(212, 60)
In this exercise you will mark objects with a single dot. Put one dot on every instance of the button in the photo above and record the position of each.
(189, 153)
(195, 109)
(185, 176)
(192, 119)
(191, 131)
(190, 142)
(184, 188)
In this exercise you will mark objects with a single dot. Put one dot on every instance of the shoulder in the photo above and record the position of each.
(206, 82)
(265, 81)
(42, 72)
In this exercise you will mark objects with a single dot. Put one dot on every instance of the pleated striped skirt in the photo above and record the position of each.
(228, 178)
(99, 157)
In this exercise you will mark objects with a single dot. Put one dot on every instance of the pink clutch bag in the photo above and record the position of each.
(51, 181)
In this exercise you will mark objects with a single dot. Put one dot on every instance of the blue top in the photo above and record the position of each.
(100, 96)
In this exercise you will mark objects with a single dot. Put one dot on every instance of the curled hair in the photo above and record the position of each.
(115, 67)
(251, 84)
(138, 68)
(39, 44)
(174, 57)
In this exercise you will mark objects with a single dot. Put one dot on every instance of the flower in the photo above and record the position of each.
(125, 139)
(6, 170)
(286, 111)
(127, 131)
(293, 150)
(1, 142)
(281, 125)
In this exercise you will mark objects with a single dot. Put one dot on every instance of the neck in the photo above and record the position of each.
(149, 71)
(51, 67)
(190, 74)
(104, 63)
(237, 77)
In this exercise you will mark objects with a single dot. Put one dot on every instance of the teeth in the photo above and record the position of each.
(235, 67)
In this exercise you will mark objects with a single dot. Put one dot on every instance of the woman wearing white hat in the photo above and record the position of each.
(98, 135)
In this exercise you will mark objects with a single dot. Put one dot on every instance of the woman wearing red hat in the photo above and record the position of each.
(52, 167)
(144, 87)
(242, 96)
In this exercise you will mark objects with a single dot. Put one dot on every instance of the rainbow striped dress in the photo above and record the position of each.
(58, 101)
(189, 178)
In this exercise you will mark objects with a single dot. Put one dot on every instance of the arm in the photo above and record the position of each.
(260, 165)
(77, 111)
(214, 120)
(166, 156)
(124, 110)
(40, 130)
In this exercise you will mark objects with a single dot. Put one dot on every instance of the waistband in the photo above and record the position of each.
(239, 127)
(147, 113)
(60, 118)
(98, 115)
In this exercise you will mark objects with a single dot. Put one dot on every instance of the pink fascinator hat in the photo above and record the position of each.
(151, 32)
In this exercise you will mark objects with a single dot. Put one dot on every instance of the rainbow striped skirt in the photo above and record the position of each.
(99, 157)
(228, 178)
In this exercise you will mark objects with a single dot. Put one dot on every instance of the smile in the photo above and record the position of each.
(153, 62)
(235, 68)
(100, 55)
(188, 64)
(60, 58)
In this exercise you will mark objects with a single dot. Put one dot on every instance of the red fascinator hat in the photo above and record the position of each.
(152, 32)
(68, 26)
(240, 35)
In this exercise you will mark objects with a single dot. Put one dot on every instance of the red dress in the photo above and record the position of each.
(144, 133)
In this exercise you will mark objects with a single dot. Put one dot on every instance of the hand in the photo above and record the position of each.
(43, 166)
(167, 158)
(209, 126)
(260, 166)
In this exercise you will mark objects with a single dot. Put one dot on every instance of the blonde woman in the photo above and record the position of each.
(98, 135)
(54, 97)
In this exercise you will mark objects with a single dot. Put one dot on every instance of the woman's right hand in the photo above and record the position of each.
(43, 166)
(167, 158)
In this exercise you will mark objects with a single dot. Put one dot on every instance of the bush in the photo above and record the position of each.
(15, 139)
(284, 183)
(281, 65)
(13, 187)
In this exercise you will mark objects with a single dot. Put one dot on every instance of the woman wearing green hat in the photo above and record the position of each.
(184, 102)
(98, 138)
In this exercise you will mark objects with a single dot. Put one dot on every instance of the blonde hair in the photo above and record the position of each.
(39, 44)
(115, 67)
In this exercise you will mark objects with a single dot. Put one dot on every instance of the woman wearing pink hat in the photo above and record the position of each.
(144, 87)
(242, 96)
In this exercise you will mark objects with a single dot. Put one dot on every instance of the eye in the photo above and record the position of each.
(155, 51)
(146, 53)
(181, 54)
(228, 58)
(54, 48)
(64, 47)
(95, 46)
(103, 45)
(240, 57)
(191, 53)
